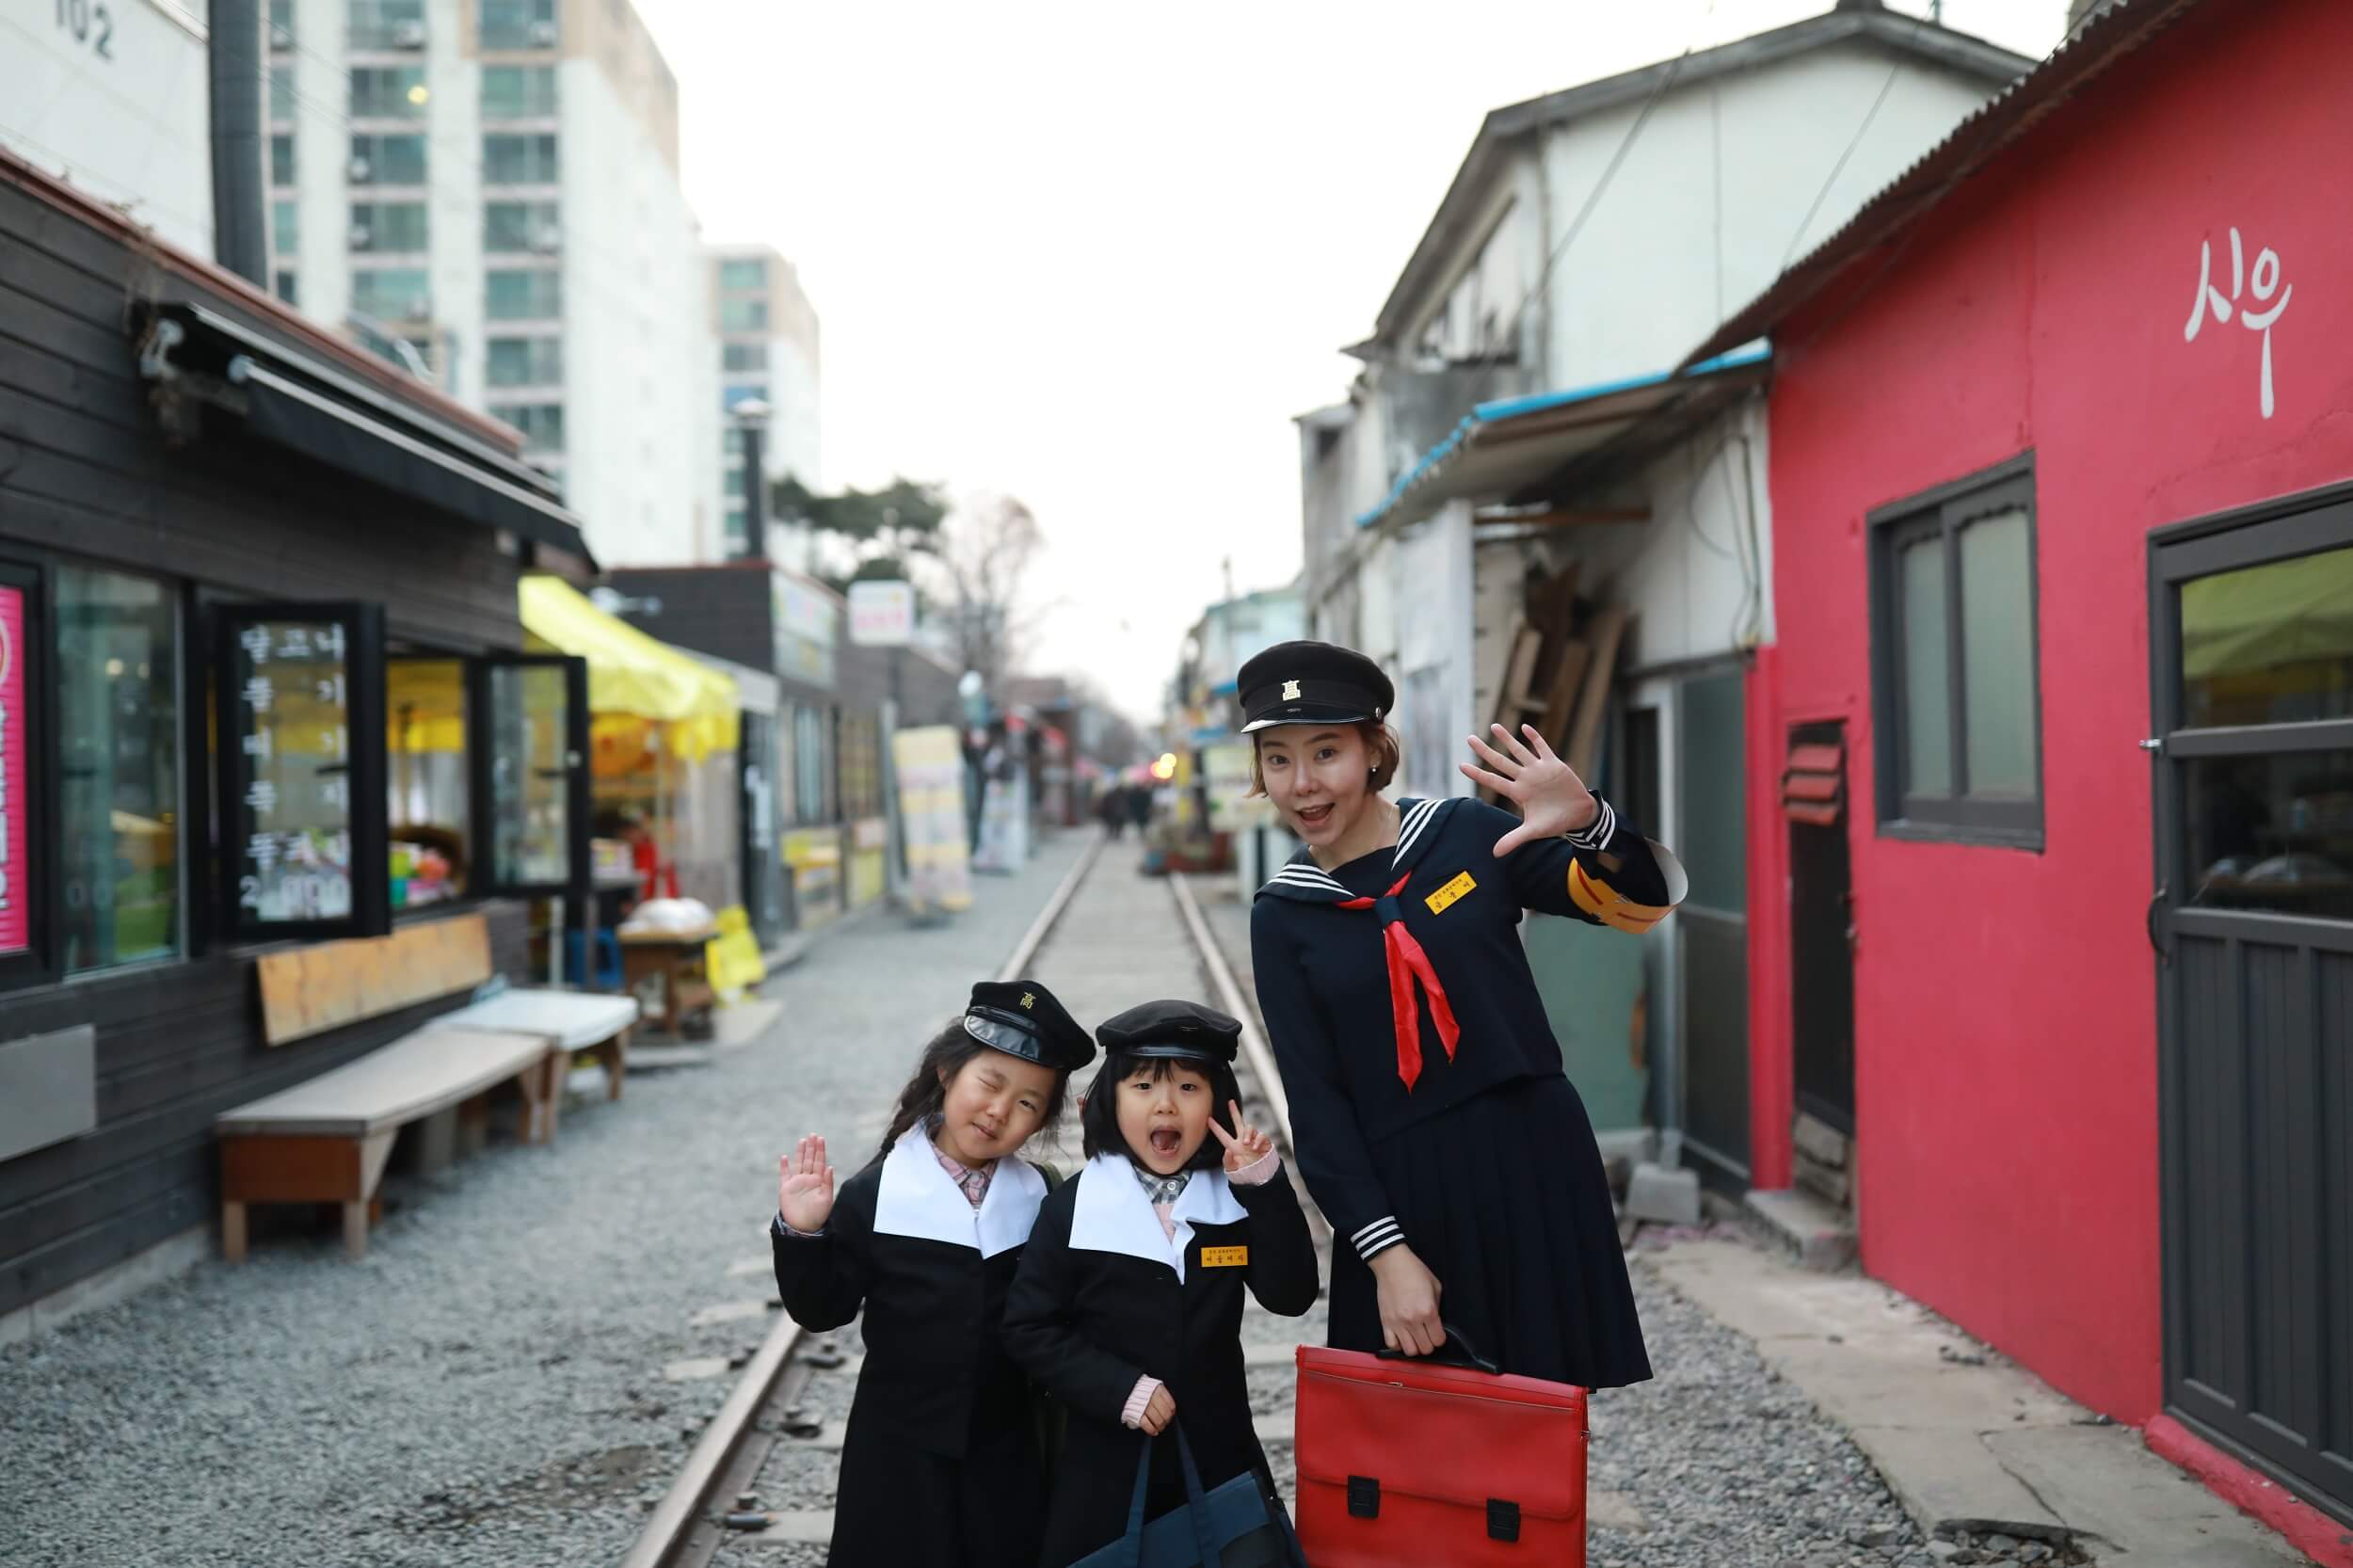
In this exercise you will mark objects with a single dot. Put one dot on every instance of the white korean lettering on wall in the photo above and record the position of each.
(2265, 283)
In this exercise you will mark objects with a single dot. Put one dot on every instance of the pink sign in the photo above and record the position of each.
(16, 923)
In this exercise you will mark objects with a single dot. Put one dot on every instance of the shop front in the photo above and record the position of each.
(264, 686)
(2058, 771)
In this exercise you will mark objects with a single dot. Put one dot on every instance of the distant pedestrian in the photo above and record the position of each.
(1111, 809)
(941, 1465)
(1093, 1315)
(1140, 806)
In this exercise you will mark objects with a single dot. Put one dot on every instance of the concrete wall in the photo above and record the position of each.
(1706, 207)
(114, 98)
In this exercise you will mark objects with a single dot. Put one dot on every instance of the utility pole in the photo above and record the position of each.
(234, 58)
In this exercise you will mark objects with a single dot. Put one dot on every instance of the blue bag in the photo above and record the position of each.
(1234, 1527)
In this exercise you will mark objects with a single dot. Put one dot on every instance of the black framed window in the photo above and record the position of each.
(302, 785)
(1954, 667)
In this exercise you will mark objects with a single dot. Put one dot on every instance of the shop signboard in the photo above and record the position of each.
(1225, 768)
(882, 614)
(303, 794)
(928, 763)
(808, 625)
(16, 923)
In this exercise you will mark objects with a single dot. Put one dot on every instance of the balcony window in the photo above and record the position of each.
(525, 362)
(388, 92)
(509, 228)
(743, 356)
(394, 228)
(282, 159)
(519, 25)
(523, 295)
(541, 424)
(282, 94)
(285, 227)
(393, 294)
(394, 160)
(387, 23)
(744, 315)
(286, 285)
(281, 23)
(735, 277)
(518, 91)
(513, 160)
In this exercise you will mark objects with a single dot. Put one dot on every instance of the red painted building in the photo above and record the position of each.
(2062, 464)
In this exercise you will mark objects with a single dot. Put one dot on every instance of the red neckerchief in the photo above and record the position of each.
(1408, 965)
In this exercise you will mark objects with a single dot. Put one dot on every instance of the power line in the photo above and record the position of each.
(1852, 142)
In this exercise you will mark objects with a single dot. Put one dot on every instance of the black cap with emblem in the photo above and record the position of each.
(1022, 1018)
(1312, 683)
(1184, 1030)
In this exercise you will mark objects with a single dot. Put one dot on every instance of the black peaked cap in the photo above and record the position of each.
(1306, 682)
(1173, 1029)
(1023, 1019)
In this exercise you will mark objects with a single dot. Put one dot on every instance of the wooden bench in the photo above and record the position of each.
(571, 1022)
(327, 1141)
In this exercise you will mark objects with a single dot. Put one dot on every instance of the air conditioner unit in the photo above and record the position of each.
(547, 239)
(409, 34)
(361, 236)
(543, 34)
(360, 170)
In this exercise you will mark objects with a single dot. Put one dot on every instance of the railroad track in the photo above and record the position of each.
(777, 1421)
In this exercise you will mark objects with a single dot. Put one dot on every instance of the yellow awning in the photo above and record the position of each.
(631, 673)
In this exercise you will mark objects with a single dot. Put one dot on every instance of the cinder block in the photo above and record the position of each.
(1664, 1196)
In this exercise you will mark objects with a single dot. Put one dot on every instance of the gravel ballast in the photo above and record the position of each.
(486, 1387)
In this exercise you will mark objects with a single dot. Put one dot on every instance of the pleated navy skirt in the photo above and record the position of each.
(1504, 1198)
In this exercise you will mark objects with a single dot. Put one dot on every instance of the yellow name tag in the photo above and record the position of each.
(1224, 1257)
(1446, 897)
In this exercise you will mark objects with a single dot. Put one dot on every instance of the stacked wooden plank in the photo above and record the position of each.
(1557, 676)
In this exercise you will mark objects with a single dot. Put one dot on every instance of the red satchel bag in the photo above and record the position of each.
(1419, 1462)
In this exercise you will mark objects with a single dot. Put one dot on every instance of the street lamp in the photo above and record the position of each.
(751, 418)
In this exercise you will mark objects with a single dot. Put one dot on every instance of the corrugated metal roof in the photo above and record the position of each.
(1998, 124)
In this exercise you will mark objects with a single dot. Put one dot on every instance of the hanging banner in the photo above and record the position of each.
(16, 925)
(929, 763)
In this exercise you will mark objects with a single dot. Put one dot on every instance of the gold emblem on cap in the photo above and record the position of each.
(1290, 691)
(1029, 999)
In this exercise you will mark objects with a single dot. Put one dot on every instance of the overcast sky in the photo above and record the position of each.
(1097, 256)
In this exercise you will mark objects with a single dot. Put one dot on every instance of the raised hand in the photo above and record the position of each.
(805, 1185)
(1551, 798)
(1245, 1146)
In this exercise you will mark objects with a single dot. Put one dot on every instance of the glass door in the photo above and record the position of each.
(531, 775)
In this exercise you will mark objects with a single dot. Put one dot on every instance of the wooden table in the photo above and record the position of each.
(676, 959)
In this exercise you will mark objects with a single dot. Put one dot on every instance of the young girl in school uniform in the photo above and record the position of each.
(1128, 1307)
(940, 1467)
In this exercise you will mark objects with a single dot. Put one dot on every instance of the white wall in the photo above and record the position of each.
(641, 364)
(1703, 213)
(114, 98)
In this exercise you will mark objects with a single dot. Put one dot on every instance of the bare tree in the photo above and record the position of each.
(982, 555)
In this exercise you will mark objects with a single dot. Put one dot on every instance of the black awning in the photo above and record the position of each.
(305, 405)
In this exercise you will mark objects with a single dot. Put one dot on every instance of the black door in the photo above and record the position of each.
(2251, 658)
(1712, 925)
(1821, 957)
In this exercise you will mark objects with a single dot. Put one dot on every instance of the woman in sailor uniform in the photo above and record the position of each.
(1434, 1124)
(1128, 1309)
(940, 1467)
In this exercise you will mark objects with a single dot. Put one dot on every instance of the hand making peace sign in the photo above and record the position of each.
(1244, 1146)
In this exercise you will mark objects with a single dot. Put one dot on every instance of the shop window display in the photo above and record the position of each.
(426, 772)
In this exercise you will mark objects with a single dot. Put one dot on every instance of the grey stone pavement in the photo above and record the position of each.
(487, 1385)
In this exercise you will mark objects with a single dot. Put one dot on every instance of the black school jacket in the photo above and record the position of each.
(931, 1272)
(1103, 1298)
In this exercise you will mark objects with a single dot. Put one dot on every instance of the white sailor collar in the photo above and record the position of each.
(1112, 1214)
(920, 1199)
(1417, 825)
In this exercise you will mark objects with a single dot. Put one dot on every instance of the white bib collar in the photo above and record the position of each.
(920, 1199)
(1112, 1213)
